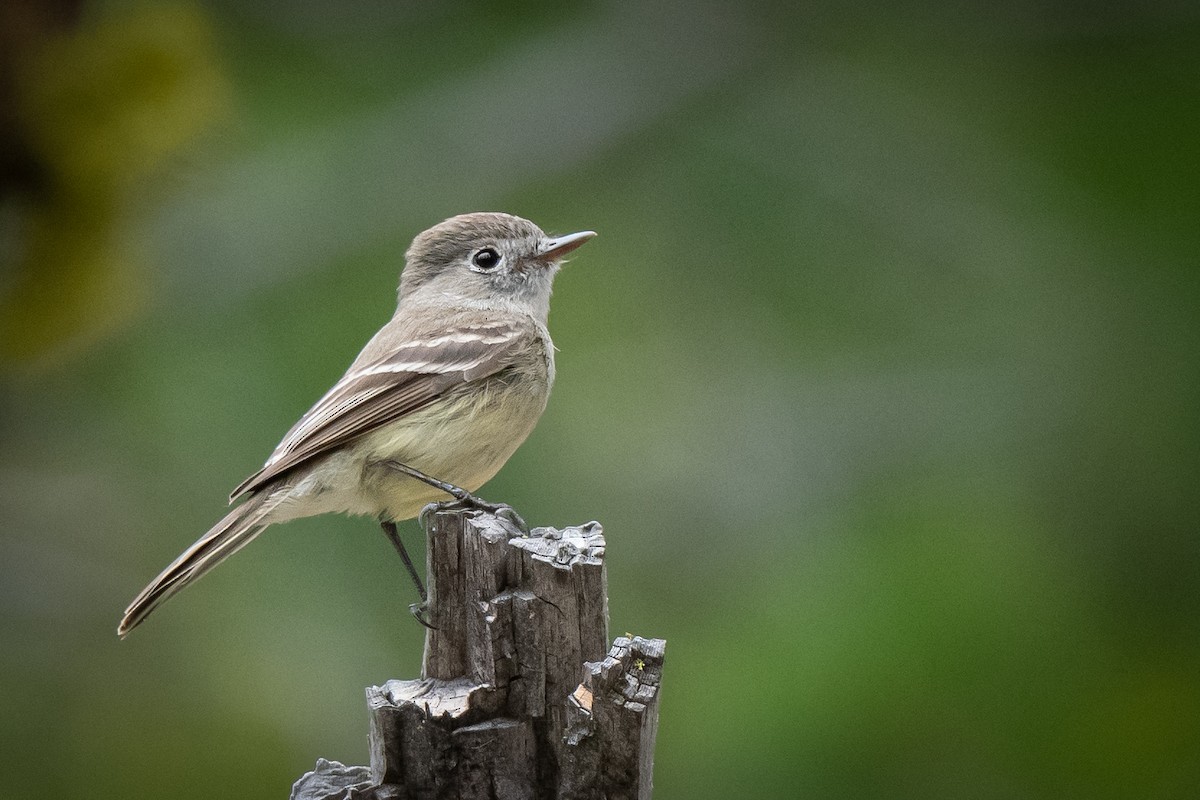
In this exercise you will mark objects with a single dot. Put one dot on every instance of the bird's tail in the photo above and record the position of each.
(231, 534)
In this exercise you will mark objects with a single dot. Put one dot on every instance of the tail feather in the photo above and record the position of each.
(232, 533)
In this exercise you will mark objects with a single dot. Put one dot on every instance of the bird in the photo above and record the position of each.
(435, 404)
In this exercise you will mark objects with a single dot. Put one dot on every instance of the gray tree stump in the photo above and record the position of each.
(518, 698)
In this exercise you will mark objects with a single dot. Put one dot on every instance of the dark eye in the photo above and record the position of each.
(487, 258)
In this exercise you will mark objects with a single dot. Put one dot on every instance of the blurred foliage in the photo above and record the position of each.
(100, 112)
(885, 355)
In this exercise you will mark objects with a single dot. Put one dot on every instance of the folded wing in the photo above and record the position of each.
(411, 375)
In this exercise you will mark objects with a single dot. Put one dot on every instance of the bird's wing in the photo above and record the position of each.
(411, 375)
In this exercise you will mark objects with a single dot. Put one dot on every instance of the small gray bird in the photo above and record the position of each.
(435, 403)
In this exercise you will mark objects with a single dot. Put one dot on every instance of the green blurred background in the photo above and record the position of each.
(882, 376)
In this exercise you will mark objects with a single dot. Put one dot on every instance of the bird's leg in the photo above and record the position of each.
(462, 498)
(416, 609)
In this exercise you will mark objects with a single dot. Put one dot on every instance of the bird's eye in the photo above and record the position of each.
(487, 258)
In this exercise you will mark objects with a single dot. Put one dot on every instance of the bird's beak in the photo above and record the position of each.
(559, 246)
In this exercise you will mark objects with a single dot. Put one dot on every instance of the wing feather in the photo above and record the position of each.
(408, 377)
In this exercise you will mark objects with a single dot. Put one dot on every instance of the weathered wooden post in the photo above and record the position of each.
(518, 697)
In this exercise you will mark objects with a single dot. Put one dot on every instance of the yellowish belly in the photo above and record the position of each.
(463, 439)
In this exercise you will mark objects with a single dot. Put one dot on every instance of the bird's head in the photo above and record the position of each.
(487, 260)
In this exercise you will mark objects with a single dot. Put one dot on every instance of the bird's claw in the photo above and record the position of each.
(507, 512)
(423, 517)
(419, 611)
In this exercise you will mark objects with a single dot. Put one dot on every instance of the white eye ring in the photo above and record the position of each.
(486, 259)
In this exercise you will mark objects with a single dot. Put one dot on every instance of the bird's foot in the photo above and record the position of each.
(468, 501)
